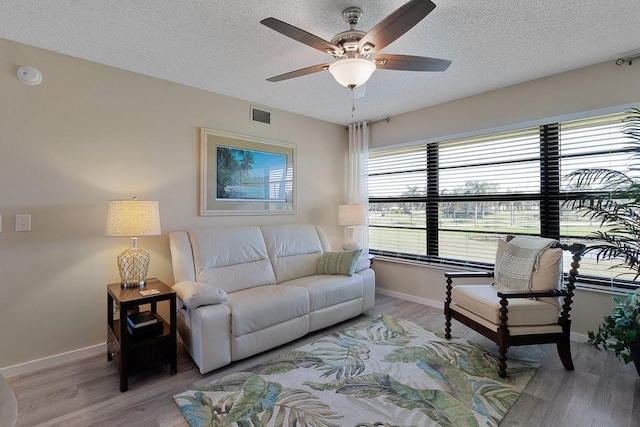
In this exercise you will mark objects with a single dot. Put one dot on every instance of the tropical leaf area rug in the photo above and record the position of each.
(383, 371)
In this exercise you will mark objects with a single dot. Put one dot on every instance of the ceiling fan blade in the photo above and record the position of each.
(299, 73)
(396, 24)
(301, 36)
(410, 63)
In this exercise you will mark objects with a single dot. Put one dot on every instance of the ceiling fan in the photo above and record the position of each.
(353, 49)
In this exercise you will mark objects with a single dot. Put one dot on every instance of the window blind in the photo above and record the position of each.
(451, 201)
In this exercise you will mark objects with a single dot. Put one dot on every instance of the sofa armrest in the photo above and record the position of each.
(363, 263)
(196, 294)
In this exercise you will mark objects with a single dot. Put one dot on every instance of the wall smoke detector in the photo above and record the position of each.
(29, 75)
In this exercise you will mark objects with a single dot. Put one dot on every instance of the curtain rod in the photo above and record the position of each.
(369, 123)
(384, 119)
(628, 59)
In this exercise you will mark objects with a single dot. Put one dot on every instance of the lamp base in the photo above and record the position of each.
(132, 285)
(133, 265)
(351, 245)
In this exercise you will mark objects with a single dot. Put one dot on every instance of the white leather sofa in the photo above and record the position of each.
(244, 290)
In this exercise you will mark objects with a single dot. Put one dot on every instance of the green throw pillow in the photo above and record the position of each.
(344, 263)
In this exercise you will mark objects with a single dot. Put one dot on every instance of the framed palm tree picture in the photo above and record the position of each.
(243, 175)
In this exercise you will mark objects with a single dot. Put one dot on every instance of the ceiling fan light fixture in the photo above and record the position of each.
(352, 72)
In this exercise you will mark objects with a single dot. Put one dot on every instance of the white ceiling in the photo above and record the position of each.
(220, 46)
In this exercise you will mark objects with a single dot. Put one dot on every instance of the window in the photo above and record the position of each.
(592, 143)
(398, 178)
(451, 201)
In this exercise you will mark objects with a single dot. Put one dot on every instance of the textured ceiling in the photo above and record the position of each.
(220, 46)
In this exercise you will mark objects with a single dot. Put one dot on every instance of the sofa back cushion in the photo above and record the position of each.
(231, 259)
(294, 250)
(181, 257)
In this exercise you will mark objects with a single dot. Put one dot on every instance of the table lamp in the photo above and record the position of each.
(133, 218)
(351, 216)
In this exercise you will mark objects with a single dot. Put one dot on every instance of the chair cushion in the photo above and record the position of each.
(483, 301)
(549, 273)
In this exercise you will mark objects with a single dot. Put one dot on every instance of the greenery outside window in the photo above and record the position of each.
(450, 202)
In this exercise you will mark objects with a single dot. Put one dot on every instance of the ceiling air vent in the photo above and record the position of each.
(260, 116)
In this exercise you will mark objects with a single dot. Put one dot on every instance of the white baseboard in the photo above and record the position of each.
(437, 304)
(48, 362)
(578, 338)
(407, 297)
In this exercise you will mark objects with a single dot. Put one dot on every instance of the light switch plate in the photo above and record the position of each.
(23, 222)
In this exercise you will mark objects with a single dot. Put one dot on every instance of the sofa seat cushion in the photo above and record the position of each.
(484, 301)
(265, 306)
(327, 290)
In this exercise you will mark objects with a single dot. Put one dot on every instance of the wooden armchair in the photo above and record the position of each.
(511, 318)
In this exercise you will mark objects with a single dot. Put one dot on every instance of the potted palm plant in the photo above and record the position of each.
(620, 330)
(617, 208)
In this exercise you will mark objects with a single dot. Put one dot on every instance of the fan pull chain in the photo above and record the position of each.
(353, 102)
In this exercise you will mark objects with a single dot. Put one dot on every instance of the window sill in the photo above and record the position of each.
(582, 287)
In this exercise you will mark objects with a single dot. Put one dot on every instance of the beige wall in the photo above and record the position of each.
(90, 133)
(593, 88)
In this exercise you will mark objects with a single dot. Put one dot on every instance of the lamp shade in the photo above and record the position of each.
(131, 218)
(350, 215)
(352, 72)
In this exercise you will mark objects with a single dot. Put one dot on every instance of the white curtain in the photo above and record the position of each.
(358, 177)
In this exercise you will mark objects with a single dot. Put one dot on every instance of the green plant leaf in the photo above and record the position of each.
(231, 382)
(431, 351)
(197, 412)
(341, 356)
(621, 329)
(286, 362)
(386, 330)
(492, 398)
(435, 404)
(452, 380)
(257, 396)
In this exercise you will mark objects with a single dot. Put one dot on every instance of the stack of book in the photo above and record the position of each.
(144, 323)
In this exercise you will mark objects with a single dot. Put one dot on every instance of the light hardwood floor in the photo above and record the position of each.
(600, 392)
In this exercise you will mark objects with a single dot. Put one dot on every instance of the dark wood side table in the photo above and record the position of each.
(135, 354)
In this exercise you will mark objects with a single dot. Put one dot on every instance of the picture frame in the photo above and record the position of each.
(244, 175)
